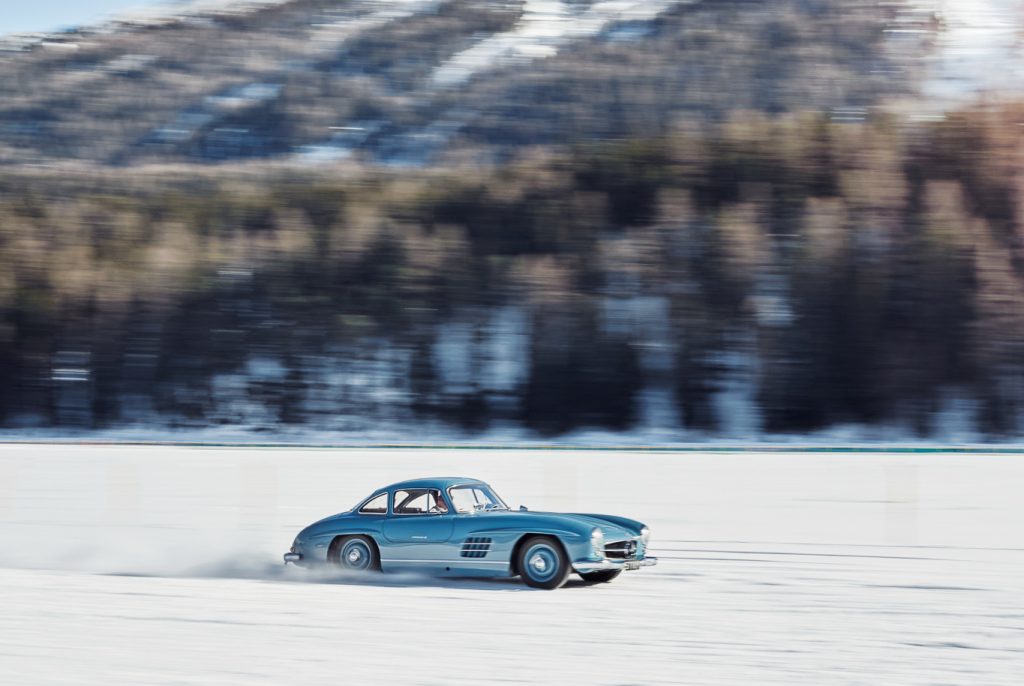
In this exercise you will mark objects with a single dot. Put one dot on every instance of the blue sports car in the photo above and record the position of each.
(460, 527)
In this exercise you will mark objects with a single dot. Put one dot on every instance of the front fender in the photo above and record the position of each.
(541, 530)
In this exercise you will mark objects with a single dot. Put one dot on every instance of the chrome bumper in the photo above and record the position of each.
(292, 557)
(613, 564)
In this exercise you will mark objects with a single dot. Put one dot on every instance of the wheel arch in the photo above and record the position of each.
(338, 539)
(518, 545)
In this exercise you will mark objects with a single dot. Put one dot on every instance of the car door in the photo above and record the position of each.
(418, 529)
(481, 543)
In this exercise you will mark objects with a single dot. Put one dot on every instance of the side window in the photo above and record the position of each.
(376, 505)
(416, 501)
(465, 499)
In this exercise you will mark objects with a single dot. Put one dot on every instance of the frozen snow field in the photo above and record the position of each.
(160, 565)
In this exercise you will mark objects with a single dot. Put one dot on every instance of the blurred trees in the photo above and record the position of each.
(848, 273)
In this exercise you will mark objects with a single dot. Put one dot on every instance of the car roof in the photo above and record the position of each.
(441, 482)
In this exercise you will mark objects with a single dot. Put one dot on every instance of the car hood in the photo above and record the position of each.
(611, 531)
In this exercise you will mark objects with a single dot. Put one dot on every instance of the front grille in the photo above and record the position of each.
(475, 546)
(620, 550)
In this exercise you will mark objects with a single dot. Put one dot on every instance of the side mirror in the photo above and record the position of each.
(523, 508)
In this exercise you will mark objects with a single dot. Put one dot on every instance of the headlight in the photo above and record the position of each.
(597, 542)
(645, 535)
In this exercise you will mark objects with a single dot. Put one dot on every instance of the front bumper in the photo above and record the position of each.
(294, 558)
(588, 566)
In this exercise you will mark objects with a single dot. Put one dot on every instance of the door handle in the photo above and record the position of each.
(420, 537)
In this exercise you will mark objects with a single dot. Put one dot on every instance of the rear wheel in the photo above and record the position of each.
(542, 562)
(602, 576)
(355, 553)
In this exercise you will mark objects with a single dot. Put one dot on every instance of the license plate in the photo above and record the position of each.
(633, 565)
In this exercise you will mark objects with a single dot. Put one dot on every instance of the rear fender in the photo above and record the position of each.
(317, 543)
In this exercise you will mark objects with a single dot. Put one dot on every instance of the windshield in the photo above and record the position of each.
(475, 498)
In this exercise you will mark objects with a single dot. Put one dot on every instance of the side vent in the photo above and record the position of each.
(475, 546)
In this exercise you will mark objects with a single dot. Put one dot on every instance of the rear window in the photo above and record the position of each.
(376, 505)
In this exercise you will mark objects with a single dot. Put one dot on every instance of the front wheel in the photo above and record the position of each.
(543, 563)
(356, 553)
(602, 576)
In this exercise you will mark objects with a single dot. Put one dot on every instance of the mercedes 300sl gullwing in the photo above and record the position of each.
(460, 527)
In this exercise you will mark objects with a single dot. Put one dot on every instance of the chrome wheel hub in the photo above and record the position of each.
(355, 555)
(539, 563)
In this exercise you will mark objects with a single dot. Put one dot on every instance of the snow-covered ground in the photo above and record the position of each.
(545, 25)
(159, 565)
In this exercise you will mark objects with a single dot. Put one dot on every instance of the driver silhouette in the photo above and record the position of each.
(439, 503)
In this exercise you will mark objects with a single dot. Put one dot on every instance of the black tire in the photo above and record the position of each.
(355, 554)
(602, 576)
(542, 562)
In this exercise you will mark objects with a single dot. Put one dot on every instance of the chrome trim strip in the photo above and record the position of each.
(587, 566)
(449, 563)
